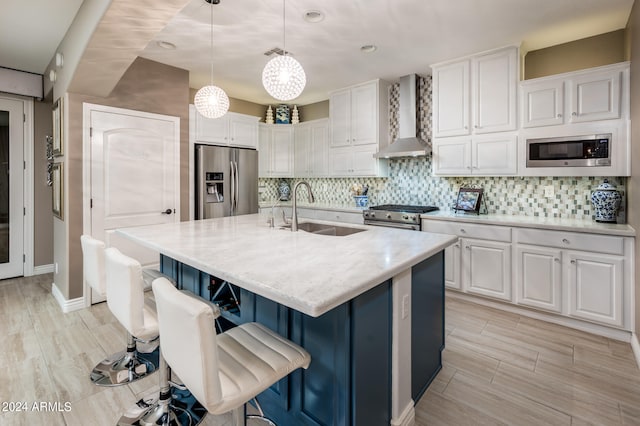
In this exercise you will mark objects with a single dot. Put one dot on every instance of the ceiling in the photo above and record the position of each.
(409, 35)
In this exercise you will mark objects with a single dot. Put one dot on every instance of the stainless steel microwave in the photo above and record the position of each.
(576, 151)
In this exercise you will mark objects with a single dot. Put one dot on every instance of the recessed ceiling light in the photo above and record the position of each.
(166, 45)
(368, 48)
(313, 16)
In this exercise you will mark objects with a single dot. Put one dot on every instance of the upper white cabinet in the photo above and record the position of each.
(476, 95)
(359, 127)
(275, 150)
(576, 97)
(232, 129)
(311, 147)
(486, 155)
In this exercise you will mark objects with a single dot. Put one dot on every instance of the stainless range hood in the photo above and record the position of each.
(408, 143)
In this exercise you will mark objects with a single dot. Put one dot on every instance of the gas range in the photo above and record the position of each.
(396, 215)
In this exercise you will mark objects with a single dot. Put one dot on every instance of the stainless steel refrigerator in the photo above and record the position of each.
(226, 181)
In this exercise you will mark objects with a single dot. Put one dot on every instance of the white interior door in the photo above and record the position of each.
(134, 175)
(11, 187)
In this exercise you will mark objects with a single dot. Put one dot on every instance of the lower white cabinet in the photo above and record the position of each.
(596, 287)
(486, 268)
(577, 275)
(539, 277)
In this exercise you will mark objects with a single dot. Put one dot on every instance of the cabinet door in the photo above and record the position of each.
(494, 155)
(363, 162)
(451, 100)
(340, 161)
(243, 132)
(543, 103)
(340, 117)
(452, 156)
(595, 96)
(452, 267)
(486, 267)
(364, 118)
(213, 130)
(318, 158)
(281, 152)
(264, 150)
(595, 287)
(302, 150)
(494, 91)
(539, 277)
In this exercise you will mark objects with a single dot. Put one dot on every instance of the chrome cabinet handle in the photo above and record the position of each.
(564, 240)
(462, 231)
(556, 260)
(167, 211)
(468, 247)
(574, 113)
(456, 245)
(559, 115)
(573, 262)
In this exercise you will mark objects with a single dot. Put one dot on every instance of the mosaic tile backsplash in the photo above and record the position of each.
(410, 181)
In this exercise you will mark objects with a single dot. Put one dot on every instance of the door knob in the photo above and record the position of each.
(167, 211)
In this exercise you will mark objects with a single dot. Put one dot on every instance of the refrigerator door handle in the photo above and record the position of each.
(237, 194)
(232, 180)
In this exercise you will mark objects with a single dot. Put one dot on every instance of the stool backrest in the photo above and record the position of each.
(93, 263)
(188, 341)
(125, 290)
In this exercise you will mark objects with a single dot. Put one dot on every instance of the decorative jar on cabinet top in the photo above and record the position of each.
(606, 201)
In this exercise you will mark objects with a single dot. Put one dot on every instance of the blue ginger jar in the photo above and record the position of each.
(606, 201)
(284, 191)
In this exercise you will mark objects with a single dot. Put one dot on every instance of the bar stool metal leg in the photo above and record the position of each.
(125, 367)
(173, 406)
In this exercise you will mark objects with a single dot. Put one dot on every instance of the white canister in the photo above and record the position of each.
(606, 200)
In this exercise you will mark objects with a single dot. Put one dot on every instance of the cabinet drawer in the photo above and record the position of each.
(468, 230)
(571, 240)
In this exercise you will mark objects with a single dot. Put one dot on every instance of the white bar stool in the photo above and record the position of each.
(222, 371)
(125, 366)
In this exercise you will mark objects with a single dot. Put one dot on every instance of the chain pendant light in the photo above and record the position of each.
(211, 101)
(283, 76)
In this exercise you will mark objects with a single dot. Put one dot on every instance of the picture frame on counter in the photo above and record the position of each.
(469, 200)
(58, 135)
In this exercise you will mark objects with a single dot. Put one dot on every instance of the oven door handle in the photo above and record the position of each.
(392, 225)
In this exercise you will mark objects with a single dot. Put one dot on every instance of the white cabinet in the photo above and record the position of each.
(357, 113)
(486, 267)
(452, 267)
(275, 150)
(476, 95)
(485, 155)
(232, 129)
(596, 287)
(576, 97)
(539, 277)
(359, 127)
(311, 148)
(356, 161)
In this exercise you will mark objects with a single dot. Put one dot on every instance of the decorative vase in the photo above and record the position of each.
(284, 190)
(269, 117)
(295, 116)
(606, 201)
(361, 200)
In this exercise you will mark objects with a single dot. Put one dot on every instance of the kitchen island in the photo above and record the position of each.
(369, 307)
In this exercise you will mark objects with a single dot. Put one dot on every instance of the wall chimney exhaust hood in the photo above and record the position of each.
(408, 143)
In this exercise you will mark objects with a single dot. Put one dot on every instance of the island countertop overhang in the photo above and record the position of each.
(306, 272)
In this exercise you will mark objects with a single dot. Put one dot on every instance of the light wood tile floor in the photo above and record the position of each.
(499, 368)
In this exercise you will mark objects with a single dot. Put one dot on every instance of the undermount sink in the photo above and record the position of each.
(323, 229)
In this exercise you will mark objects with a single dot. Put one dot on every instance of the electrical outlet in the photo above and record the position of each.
(405, 306)
(549, 191)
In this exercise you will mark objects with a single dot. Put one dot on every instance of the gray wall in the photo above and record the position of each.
(42, 218)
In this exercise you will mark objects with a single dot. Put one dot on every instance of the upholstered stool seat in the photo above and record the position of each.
(129, 365)
(223, 371)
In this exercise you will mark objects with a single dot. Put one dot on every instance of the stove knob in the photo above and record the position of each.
(414, 217)
(373, 214)
(405, 217)
(366, 214)
(388, 215)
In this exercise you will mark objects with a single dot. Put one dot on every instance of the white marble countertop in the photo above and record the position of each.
(573, 225)
(307, 272)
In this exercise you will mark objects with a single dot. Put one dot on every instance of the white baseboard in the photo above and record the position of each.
(407, 418)
(67, 305)
(43, 269)
(635, 346)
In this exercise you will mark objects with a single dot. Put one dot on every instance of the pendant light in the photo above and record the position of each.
(211, 101)
(283, 76)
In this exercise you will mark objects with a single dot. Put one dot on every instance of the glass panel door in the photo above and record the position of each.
(11, 187)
